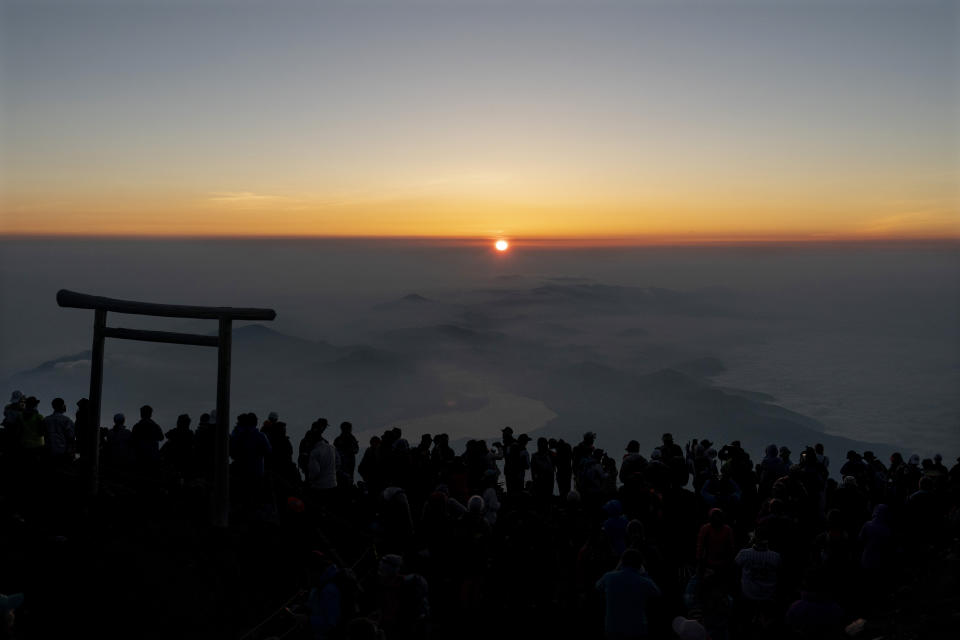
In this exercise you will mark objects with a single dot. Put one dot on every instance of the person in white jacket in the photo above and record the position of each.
(322, 469)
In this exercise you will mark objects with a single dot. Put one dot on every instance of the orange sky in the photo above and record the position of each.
(645, 123)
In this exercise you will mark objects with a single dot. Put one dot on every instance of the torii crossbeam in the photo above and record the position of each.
(225, 316)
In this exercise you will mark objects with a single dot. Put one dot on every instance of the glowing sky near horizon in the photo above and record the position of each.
(481, 118)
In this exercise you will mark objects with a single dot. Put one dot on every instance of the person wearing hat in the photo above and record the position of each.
(507, 438)
(11, 420)
(30, 439)
(785, 456)
(632, 464)
(669, 449)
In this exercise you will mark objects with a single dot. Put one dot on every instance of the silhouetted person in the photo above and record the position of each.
(759, 569)
(816, 614)
(507, 438)
(715, 543)
(402, 599)
(633, 464)
(322, 462)
(368, 468)
(146, 437)
(669, 449)
(280, 460)
(59, 434)
(309, 439)
(249, 449)
(516, 461)
(118, 451)
(541, 470)
(177, 451)
(11, 420)
(347, 448)
(627, 590)
(564, 462)
(203, 446)
(581, 454)
(30, 432)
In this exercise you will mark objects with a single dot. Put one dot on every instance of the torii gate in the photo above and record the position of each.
(225, 316)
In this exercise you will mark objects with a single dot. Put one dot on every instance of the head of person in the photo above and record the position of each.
(346, 428)
(319, 425)
(425, 440)
(16, 397)
(119, 419)
(183, 421)
(59, 406)
(146, 412)
(589, 438)
(688, 629)
(717, 517)
(523, 439)
(818, 448)
(31, 403)
(204, 418)
(631, 559)
(475, 505)
(633, 447)
(272, 416)
(835, 519)
(771, 451)
(667, 438)
(542, 445)
(390, 566)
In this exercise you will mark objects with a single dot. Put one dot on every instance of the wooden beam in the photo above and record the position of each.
(161, 336)
(72, 299)
(96, 393)
(221, 448)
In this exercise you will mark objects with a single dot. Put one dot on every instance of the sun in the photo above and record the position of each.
(501, 245)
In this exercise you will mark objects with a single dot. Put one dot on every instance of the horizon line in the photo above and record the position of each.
(523, 241)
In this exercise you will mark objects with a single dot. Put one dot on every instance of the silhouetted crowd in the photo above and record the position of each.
(695, 541)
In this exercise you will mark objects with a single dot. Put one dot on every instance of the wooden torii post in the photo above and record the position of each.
(225, 316)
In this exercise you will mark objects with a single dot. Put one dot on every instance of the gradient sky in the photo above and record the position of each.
(777, 119)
